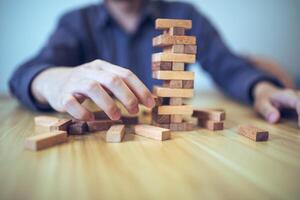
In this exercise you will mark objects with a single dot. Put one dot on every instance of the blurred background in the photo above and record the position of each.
(268, 28)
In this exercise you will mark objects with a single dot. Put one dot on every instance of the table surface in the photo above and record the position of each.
(192, 165)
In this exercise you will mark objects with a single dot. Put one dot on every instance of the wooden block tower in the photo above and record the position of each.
(169, 66)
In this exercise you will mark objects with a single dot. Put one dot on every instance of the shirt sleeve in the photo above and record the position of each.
(235, 75)
(62, 49)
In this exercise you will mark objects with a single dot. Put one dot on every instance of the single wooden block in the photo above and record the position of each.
(173, 75)
(152, 132)
(211, 125)
(161, 66)
(168, 23)
(209, 114)
(177, 66)
(115, 133)
(175, 101)
(190, 49)
(101, 115)
(101, 125)
(176, 31)
(161, 119)
(254, 133)
(171, 92)
(176, 118)
(130, 119)
(177, 48)
(188, 84)
(168, 40)
(77, 128)
(42, 141)
(175, 110)
(173, 57)
(172, 84)
(61, 125)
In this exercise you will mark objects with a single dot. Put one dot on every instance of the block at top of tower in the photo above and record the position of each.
(168, 23)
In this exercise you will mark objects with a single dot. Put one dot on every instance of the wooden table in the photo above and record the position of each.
(192, 165)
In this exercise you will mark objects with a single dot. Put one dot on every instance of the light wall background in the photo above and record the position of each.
(268, 28)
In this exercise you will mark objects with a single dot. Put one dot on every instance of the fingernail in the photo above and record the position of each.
(272, 117)
(150, 102)
(116, 114)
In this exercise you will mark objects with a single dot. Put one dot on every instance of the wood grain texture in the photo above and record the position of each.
(168, 40)
(161, 66)
(209, 114)
(115, 133)
(176, 31)
(253, 132)
(173, 57)
(175, 110)
(211, 125)
(168, 23)
(191, 165)
(152, 132)
(171, 92)
(173, 75)
(172, 84)
(178, 66)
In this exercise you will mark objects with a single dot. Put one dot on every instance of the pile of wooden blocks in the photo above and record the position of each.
(211, 119)
(53, 131)
(169, 66)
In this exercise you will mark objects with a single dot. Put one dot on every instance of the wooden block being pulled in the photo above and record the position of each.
(152, 132)
(173, 57)
(171, 92)
(161, 66)
(77, 128)
(130, 119)
(178, 66)
(176, 31)
(61, 125)
(172, 84)
(211, 125)
(101, 125)
(188, 84)
(168, 40)
(254, 133)
(175, 110)
(168, 23)
(173, 75)
(115, 133)
(45, 140)
(209, 114)
(190, 49)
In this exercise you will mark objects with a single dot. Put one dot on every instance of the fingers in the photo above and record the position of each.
(267, 110)
(93, 90)
(136, 85)
(74, 108)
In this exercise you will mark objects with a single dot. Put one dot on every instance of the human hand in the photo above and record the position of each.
(65, 88)
(269, 99)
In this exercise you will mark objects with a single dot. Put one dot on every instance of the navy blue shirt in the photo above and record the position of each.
(91, 33)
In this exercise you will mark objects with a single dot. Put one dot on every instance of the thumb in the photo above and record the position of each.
(268, 111)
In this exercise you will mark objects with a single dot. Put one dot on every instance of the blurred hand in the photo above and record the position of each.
(65, 89)
(268, 100)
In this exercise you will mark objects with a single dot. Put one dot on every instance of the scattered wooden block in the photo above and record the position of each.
(130, 119)
(176, 31)
(101, 125)
(77, 128)
(115, 133)
(175, 101)
(209, 114)
(42, 141)
(61, 125)
(175, 110)
(173, 57)
(168, 40)
(211, 125)
(152, 132)
(177, 48)
(172, 84)
(173, 75)
(171, 92)
(161, 66)
(190, 49)
(254, 133)
(101, 115)
(168, 23)
(176, 118)
(188, 84)
(178, 66)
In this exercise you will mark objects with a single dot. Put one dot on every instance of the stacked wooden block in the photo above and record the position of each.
(169, 66)
(211, 119)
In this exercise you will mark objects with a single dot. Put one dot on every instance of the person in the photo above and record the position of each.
(104, 50)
